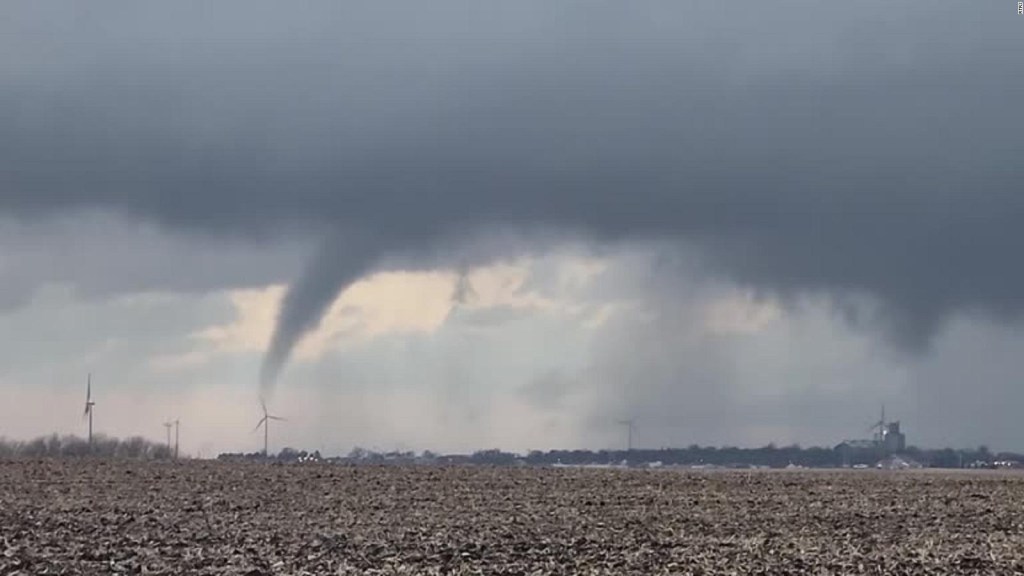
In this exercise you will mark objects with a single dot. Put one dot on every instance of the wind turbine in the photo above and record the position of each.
(883, 431)
(89, 407)
(177, 424)
(880, 426)
(265, 422)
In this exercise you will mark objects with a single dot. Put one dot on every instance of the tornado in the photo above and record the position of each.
(338, 262)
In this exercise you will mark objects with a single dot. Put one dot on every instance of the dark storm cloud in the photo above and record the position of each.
(869, 149)
(101, 257)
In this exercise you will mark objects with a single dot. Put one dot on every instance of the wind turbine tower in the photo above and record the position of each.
(265, 422)
(89, 406)
(883, 430)
(168, 425)
(630, 430)
(880, 425)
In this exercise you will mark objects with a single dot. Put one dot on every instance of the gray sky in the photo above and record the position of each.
(739, 224)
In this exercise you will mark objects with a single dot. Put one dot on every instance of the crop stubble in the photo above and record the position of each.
(96, 517)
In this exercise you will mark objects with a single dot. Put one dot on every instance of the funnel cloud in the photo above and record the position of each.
(339, 261)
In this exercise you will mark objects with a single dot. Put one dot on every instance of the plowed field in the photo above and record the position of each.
(88, 517)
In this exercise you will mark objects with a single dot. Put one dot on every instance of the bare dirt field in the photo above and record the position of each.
(68, 517)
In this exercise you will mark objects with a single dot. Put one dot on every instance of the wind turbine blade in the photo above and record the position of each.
(263, 404)
(88, 388)
(275, 418)
(262, 420)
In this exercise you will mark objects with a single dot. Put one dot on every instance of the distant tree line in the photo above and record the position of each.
(769, 456)
(68, 446)
(285, 455)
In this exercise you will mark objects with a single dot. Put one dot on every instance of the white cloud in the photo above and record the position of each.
(740, 313)
(385, 304)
